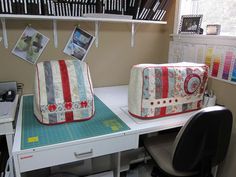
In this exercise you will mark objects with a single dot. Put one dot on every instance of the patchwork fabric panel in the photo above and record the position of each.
(63, 92)
(160, 90)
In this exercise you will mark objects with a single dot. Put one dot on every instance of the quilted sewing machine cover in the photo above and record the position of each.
(63, 92)
(157, 90)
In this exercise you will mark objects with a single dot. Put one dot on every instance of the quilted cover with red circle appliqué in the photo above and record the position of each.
(167, 89)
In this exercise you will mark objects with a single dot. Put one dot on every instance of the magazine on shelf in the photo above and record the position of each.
(79, 44)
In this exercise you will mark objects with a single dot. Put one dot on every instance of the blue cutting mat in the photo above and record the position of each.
(35, 134)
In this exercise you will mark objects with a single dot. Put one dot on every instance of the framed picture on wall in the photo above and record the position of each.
(190, 24)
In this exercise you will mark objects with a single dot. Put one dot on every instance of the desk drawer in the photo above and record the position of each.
(55, 156)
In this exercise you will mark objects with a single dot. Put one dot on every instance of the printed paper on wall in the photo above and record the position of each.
(30, 45)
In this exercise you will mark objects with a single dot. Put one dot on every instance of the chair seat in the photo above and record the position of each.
(160, 148)
(200, 144)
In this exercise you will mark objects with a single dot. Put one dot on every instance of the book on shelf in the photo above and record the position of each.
(113, 6)
(164, 10)
(6, 7)
(132, 7)
(33, 7)
(29, 10)
(47, 7)
(138, 8)
(13, 6)
(20, 9)
(2, 9)
(153, 10)
(147, 8)
(159, 10)
(141, 8)
(99, 6)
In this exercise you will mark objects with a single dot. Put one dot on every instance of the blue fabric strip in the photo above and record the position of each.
(52, 118)
(158, 83)
(49, 82)
(80, 80)
(50, 89)
(158, 86)
(146, 95)
(171, 83)
(172, 80)
(81, 86)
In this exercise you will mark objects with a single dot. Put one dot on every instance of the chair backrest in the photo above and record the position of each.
(203, 139)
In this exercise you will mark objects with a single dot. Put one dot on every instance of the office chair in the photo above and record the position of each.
(200, 144)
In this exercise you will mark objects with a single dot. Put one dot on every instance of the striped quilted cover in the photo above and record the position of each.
(166, 89)
(63, 92)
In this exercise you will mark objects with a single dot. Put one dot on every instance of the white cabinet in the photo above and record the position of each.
(61, 154)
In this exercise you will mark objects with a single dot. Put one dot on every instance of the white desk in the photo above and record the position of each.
(6, 128)
(116, 99)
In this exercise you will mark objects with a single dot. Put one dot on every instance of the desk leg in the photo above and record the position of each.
(214, 171)
(16, 165)
(9, 138)
(117, 164)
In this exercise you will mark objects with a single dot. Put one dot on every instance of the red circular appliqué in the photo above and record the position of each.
(191, 83)
(68, 105)
(52, 107)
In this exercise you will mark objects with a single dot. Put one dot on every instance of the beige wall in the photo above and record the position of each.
(225, 93)
(110, 63)
(226, 96)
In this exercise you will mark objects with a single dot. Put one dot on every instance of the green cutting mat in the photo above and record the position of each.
(35, 134)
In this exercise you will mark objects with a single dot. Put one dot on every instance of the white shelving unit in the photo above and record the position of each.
(96, 21)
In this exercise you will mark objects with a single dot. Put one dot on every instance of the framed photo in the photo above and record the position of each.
(30, 45)
(79, 44)
(190, 24)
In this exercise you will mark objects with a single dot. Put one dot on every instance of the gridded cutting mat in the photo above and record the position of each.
(35, 134)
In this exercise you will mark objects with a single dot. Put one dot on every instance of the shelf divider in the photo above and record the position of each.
(132, 34)
(96, 33)
(55, 36)
(4, 33)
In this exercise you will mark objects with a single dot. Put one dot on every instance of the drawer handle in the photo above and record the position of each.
(83, 153)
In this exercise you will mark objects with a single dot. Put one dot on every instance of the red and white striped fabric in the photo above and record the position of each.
(157, 90)
(63, 92)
